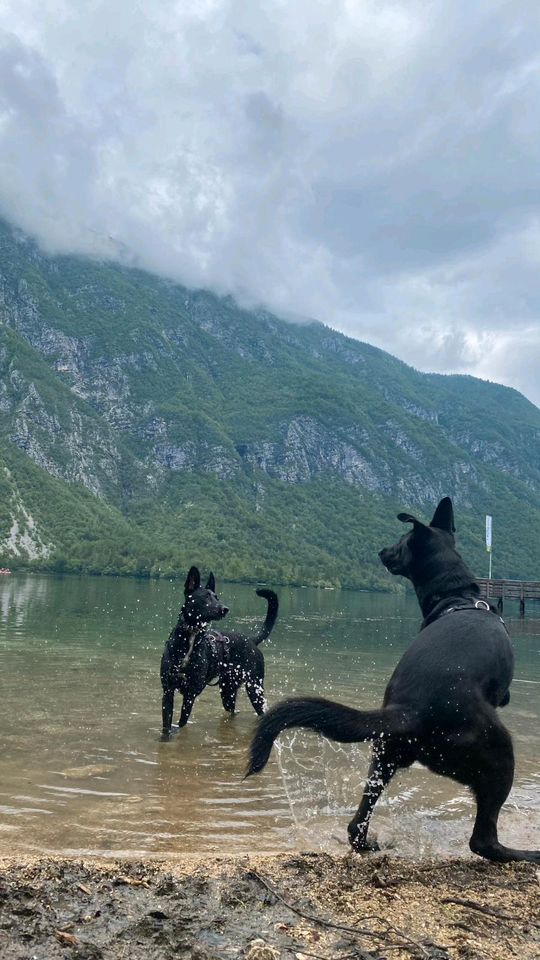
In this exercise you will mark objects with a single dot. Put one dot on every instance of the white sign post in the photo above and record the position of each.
(489, 539)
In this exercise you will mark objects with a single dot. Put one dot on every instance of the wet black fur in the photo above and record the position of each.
(195, 656)
(440, 706)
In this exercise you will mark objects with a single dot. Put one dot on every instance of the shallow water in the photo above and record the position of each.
(83, 770)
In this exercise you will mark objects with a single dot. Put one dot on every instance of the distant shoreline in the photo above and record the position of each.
(393, 586)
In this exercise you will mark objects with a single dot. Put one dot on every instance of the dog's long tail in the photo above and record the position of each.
(334, 720)
(271, 615)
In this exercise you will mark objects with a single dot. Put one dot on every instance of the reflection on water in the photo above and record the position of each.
(83, 770)
(20, 596)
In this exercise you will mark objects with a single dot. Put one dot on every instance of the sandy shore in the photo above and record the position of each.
(300, 906)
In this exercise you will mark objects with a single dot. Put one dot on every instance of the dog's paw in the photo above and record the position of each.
(363, 845)
(165, 736)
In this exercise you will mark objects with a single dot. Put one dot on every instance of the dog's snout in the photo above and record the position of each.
(387, 558)
(224, 611)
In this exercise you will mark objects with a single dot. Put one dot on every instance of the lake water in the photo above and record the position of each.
(84, 771)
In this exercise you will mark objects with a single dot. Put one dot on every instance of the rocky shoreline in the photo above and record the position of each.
(300, 906)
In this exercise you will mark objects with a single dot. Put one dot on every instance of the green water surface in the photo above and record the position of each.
(84, 771)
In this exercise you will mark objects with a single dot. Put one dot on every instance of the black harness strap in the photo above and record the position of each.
(191, 635)
(220, 646)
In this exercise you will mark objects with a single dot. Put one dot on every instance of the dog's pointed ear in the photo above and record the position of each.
(211, 585)
(193, 581)
(443, 518)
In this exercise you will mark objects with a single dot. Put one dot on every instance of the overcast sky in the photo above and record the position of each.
(373, 165)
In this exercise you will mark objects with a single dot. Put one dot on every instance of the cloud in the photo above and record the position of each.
(374, 165)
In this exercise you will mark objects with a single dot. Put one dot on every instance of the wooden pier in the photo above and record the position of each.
(501, 590)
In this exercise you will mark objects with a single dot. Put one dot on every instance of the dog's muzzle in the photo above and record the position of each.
(389, 561)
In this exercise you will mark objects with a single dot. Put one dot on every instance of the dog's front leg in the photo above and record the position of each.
(489, 770)
(187, 706)
(167, 707)
(382, 768)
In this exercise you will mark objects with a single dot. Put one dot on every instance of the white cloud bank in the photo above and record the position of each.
(372, 164)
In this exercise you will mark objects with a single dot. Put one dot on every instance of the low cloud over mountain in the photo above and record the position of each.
(372, 165)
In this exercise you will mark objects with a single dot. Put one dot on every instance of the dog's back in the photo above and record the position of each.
(464, 652)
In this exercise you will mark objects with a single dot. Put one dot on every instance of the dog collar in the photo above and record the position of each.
(440, 610)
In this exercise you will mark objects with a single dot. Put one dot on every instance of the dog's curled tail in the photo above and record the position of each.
(271, 615)
(334, 720)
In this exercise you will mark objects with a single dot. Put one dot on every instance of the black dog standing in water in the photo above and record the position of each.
(439, 707)
(194, 656)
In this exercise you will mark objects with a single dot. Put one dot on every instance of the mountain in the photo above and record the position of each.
(146, 427)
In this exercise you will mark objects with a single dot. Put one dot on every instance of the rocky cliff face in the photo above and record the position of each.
(126, 385)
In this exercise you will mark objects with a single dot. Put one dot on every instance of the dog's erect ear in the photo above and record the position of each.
(211, 585)
(443, 518)
(193, 581)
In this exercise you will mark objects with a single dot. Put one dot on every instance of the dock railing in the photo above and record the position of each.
(501, 590)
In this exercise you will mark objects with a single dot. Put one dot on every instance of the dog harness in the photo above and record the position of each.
(179, 668)
(220, 647)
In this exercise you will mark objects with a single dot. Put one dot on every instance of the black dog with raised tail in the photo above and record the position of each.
(440, 706)
(195, 655)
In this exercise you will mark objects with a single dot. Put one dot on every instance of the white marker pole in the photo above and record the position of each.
(489, 539)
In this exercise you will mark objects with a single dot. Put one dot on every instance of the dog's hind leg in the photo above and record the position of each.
(228, 691)
(384, 764)
(491, 781)
(387, 758)
(255, 692)
(167, 706)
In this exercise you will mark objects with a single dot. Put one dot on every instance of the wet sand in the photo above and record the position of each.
(300, 906)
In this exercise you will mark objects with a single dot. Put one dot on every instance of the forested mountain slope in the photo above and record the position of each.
(146, 427)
